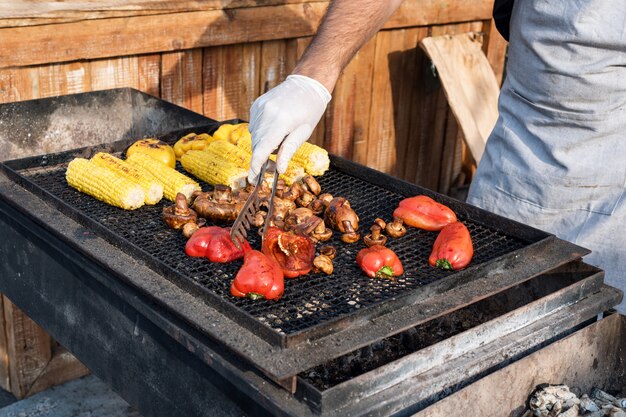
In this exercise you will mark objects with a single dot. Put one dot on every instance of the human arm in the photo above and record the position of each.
(291, 110)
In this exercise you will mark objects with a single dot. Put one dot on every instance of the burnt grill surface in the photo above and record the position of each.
(308, 301)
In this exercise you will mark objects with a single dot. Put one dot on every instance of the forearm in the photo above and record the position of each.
(347, 26)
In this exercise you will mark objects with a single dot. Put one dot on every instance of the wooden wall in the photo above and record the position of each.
(215, 57)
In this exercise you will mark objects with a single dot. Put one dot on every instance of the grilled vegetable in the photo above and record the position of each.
(104, 184)
(156, 149)
(173, 181)
(152, 188)
(178, 215)
(191, 142)
(240, 130)
(294, 253)
(424, 213)
(215, 244)
(312, 158)
(213, 169)
(259, 277)
(379, 262)
(223, 131)
(453, 248)
(229, 152)
(293, 173)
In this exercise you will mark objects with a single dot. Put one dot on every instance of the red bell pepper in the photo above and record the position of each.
(453, 248)
(259, 277)
(293, 252)
(379, 262)
(214, 243)
(424, 213)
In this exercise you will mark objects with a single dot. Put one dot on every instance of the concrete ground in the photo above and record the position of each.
(85, 397)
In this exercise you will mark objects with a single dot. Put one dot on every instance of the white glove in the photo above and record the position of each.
(286, 114)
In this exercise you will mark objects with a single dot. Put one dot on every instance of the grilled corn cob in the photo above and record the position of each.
(214, 169)
(231, 153)
(312, 158)
(240, 130)
(152, 188)
(104, 184)
(294, 171)
(173, 181)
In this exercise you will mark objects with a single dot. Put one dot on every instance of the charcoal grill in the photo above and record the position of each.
(339, 345)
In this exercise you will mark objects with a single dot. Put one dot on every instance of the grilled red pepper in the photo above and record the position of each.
(259, 277)
(453, 247)
(293, 252)
(379, 262)
(214, 243)
(424, 213)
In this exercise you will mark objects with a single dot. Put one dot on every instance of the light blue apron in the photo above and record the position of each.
(556, 158)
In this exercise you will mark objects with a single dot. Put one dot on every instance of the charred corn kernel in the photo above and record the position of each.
(240, 130)
(245, 142)
(294, 172)
(214, 169)
(173, 181)
(191, 142)
(154, 148)
(223, 131)
(312, 158)
(230, 153)
(152, 188)
(104, 184)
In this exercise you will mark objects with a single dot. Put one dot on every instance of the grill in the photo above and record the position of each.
(331, 339)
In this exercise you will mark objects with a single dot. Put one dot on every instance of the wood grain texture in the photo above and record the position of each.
(181, 78)
(28, 347)
(494, 47)
(4, 357)
(470, 86)
(100, 38)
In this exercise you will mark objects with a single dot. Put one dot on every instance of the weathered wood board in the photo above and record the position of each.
(469, 83)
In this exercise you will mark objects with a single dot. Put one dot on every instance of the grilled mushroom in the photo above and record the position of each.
(324, 264)
(375, 238)
(178, 214)
(350, 235)
(305, 199)
(311, 184)
(395, 228)
(329, 251)
(338, 213)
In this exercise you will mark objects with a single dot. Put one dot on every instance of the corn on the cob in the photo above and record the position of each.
(173, 181)
(312, 158)
(150, 185)
(245, 142)
(231, 153)
(104, 184)
(214, 169)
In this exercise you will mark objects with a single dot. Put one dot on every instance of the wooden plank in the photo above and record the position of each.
(114, 73)
(60, 79)
(495, 47)
(149, 74)
(18, 84)
(181, 79)
(100, 38)
(63, 367)
(420, 110)
(29, 349)
(469, 84)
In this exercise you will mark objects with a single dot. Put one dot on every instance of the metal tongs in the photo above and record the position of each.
(242, 223)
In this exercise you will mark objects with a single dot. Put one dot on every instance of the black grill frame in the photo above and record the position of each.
(494, 237)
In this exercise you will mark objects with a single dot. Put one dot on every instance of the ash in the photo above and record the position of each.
(559, 401)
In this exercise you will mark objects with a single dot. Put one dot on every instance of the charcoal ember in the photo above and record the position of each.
(552, 401)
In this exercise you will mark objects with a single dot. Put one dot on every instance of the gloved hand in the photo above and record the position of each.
(289, 111)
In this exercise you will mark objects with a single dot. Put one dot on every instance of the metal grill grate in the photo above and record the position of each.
(309, 300)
